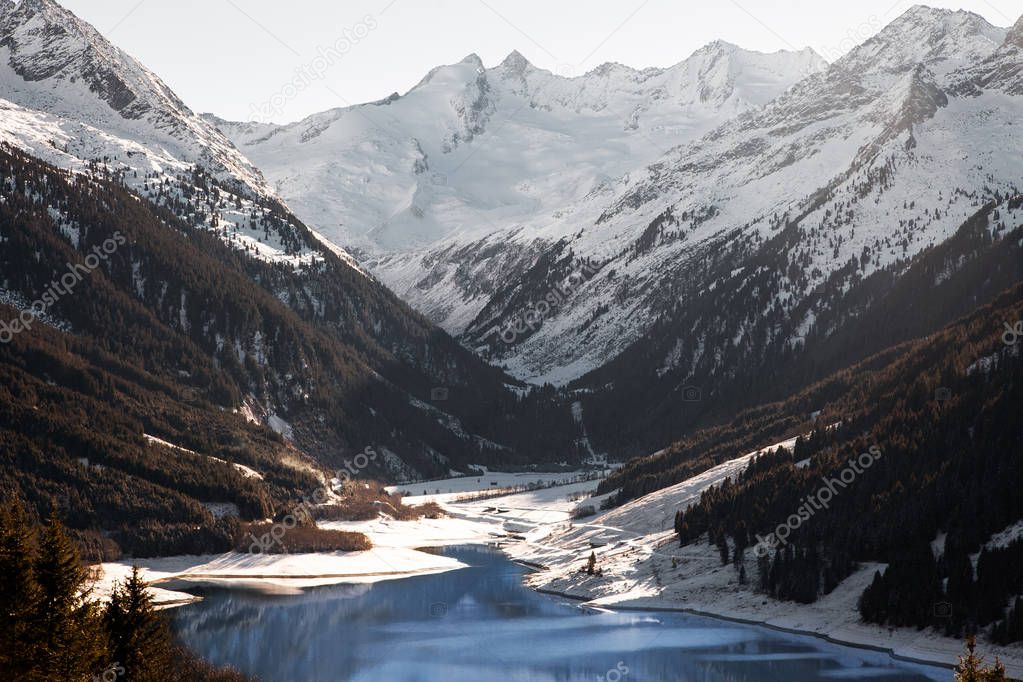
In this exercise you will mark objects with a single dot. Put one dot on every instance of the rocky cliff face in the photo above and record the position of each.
(54, 62)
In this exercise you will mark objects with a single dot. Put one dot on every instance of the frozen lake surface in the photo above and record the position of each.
(481, 623)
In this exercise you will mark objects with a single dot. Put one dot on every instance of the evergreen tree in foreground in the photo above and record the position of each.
(72, 642)
(20, 650)
(140, 640)
(52, 631)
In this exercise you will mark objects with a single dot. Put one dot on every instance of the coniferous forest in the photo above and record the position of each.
(942, 416)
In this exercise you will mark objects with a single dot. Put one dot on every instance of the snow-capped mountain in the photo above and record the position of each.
(139, 158)
(72, 99)
(853, 170)
(52, 61)
(476, 195)
(431, 186)
(866, 164)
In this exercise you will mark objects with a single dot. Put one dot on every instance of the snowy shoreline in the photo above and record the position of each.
(644, 569)
(584, 601)
(591, 601)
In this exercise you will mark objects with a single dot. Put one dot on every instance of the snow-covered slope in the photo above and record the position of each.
(71, 98)
(642, 567)
(861, 166)
(429, 185)
(242, 219)
(52, 61)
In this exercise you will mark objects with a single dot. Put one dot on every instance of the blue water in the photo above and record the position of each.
(480, 623)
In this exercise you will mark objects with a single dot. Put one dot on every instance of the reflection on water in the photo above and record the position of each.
(480, 623)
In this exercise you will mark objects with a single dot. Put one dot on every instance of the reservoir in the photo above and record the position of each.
(481, 623)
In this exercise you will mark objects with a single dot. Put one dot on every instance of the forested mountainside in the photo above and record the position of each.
(148, 325)
(853, 316)
(938, 418)
(737, 263)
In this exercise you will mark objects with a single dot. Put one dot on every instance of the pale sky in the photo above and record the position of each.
(241, 59)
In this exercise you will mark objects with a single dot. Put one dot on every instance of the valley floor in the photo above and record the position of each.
(635, 547)
(643, 568)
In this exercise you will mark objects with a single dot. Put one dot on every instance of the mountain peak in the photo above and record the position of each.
(925, 12)
(50, 12)
(936, 17)
(48, 42)
(942, 38)
(1015, 34)
(719, 46)
(516, 62)
(70, 70)
(472, 59)
(468, 70)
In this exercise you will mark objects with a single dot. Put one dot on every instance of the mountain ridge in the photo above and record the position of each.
(445, 190)
(58, 63)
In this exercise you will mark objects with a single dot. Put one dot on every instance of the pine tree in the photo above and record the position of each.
(960, 589)
(20, 653)
(971, 667)
(723, 549)
(873, 600)
(591, 563)
(73, 641)
(1014, 622)
(140, 639)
